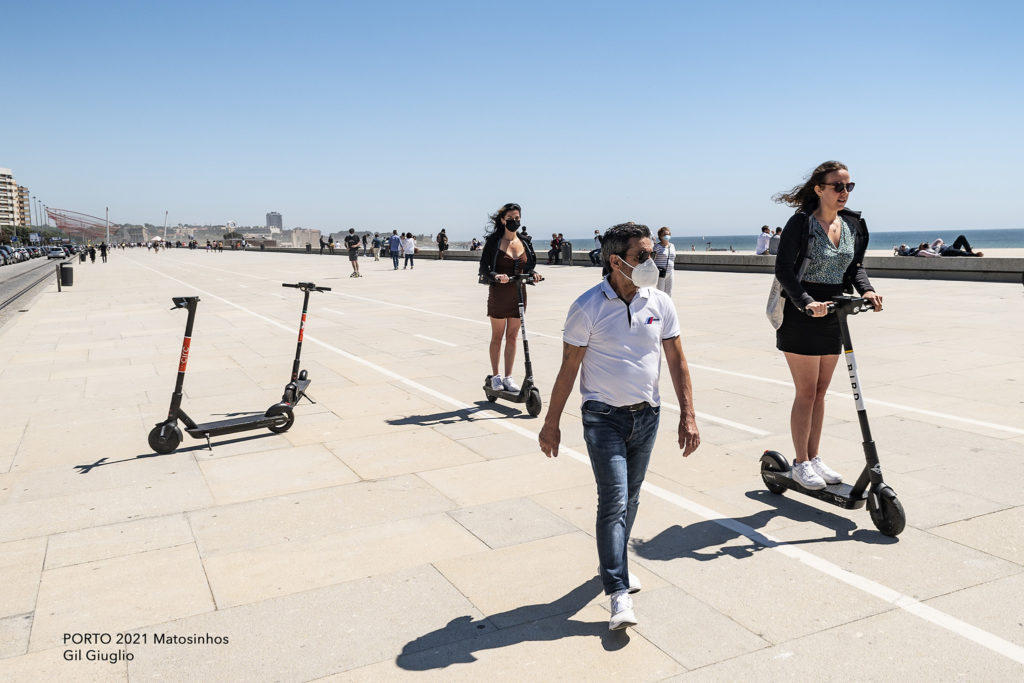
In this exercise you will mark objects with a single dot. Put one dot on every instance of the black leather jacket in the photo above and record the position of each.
(791, 255)
(489, 258)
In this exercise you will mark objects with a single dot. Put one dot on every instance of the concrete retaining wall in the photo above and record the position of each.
(982, 269)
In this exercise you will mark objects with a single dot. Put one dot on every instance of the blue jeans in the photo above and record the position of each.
(619, 442)
(394, 259)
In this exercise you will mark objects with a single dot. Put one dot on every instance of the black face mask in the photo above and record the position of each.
(512, 224)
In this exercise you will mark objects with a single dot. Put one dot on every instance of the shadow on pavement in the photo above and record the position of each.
(103, 462)
(691, 541)
(460, 415)
(456, 642)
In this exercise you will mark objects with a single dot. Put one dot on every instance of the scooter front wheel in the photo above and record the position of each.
(280, 409)
(887, 515)
(772, 461)
(164, 438)
(533, 403)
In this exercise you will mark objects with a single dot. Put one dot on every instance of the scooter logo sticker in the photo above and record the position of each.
(302, 327)
(877, 469)
(184, 354)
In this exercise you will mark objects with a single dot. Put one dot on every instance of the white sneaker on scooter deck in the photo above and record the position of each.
(496, 383)
(510, 385)
(825, 472)
(803, 473)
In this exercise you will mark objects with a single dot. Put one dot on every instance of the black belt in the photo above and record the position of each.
(635, 407)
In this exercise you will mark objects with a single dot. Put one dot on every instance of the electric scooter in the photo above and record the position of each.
(166, 436)
(886, 511)
(295, 390)
(528, 393)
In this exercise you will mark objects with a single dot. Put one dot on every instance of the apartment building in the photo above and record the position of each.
(9, 211)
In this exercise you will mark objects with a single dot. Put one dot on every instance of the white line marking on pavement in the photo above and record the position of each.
(423, 336)
(877, 402)
(709, 368)
(331, 310)
(889, 595)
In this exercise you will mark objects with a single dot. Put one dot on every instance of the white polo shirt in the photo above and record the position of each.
(622, 363)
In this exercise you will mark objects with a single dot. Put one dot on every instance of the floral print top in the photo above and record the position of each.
(828, 263)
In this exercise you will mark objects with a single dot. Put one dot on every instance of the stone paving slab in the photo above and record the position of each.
(405, 527)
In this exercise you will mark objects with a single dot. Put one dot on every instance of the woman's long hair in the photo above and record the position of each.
(497, 219)
(803, 197)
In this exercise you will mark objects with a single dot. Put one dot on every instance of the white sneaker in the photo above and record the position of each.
(825, 472)
(510, 385)
(622, 612)
(803, 473)
(496, 384)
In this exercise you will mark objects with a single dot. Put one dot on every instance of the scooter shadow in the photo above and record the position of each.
(457, 642)
(103, 462)
(460, 415)
(697, 540)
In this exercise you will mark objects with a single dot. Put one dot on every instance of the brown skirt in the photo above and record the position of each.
(503, 301)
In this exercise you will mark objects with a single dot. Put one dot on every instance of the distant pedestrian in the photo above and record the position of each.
(409, 249)
(595, 253)
(555, 252)
(442, 244)
(364, 245)
(103, 251)
(323, 245)
(330, 244)
(352, 243)
(92, 254)
(762, 240)
(773, 243)
(665, 259)
(375, 246)
(394, 247)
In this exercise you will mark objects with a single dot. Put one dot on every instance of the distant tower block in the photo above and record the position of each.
(274, 220)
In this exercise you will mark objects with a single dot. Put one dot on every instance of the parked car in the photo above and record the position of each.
(8, 254)
(55, 252)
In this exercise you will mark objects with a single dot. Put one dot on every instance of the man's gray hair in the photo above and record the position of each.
(616, 240)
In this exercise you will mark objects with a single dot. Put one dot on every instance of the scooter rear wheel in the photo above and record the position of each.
(164, 438)
(888, 516)
(533, 403)
(773, 462)
(280, 409)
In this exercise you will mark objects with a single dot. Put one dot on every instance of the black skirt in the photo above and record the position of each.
(807, 336)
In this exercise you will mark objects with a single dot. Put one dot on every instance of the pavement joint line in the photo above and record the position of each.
(904, 602)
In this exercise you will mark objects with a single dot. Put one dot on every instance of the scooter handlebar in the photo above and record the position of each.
(183, 301)
(306, 286)
(851, 304)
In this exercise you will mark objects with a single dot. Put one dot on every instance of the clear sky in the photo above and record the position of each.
(418, 115)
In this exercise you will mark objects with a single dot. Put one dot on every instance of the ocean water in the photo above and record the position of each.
(980, 239)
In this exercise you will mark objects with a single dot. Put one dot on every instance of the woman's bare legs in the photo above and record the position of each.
(811, 377)
(497, 332)
(511, 332)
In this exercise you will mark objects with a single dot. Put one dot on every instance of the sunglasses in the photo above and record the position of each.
(640, 257)
(511, 207)
(839, 187)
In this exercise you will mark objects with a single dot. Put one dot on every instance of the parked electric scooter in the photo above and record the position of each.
(166, 436)
(886, 511)
(295, 390)
(528, 393)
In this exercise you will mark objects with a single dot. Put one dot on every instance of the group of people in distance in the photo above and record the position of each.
(616, 332)
(960, 247)
(768, 243)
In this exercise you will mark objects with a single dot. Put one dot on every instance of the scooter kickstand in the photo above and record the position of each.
(208, 444)
(306, 396)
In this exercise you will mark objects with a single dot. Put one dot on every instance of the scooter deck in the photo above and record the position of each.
(232, 425)
(836, 494)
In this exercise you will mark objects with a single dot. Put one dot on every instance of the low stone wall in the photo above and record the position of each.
(983, 269)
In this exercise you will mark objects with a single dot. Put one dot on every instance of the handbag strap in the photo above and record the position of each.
(807, 249)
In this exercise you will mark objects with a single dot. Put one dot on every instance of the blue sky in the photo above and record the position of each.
(418, 115)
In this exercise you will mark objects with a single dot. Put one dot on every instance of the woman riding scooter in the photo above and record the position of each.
(505, 255)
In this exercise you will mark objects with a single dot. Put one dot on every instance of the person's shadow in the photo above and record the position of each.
(691, 541)
(456, 642)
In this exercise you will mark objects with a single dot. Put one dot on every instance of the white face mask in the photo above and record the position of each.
(644, 275)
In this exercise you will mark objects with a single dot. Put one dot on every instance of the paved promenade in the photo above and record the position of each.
(405, 528)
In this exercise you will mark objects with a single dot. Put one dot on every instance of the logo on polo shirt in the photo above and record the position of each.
(652, 320)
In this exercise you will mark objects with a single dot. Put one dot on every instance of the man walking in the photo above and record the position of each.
(442, 244)
(616, 331)
(375, 246)
(394, 246)
(595, 253)
(352, 243)
(103, 251)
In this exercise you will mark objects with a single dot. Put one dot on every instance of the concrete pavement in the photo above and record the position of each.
(406, 528)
